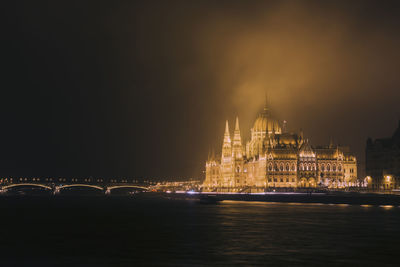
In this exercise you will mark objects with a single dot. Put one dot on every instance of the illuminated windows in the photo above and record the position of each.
(270, 167)
(293, 167)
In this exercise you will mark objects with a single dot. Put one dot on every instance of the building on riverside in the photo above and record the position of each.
(382, 162)
(276, 158)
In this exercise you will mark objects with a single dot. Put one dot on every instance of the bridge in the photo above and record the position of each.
(58, 185)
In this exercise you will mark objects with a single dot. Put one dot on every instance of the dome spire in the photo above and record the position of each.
(266, 101)
(266, 104)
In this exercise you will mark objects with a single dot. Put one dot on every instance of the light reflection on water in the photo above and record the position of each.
(123, 231)
(308, 234)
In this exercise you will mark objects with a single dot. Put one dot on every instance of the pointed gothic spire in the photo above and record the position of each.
(226, 146)
(237, 124)
(236, 137)
(227, 136)
(237, 141)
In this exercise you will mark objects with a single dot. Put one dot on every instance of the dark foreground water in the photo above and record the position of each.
(123, 231)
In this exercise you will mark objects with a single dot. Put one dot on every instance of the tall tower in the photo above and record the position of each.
(237, 150)
(226, 159)
(237, 155)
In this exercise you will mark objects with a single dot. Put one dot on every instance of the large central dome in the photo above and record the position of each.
(266, 124)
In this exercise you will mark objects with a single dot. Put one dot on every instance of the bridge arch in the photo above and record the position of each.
(127, 186)
(80, 185)
(27, 184)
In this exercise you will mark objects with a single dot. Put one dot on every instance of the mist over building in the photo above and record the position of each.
(277, 158)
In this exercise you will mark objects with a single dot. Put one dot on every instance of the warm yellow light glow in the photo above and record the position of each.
(272, 158)
(80, 185)
(386, 206)
(126, 186)
(26, 184)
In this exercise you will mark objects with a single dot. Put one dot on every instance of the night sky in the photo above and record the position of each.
(142, 89)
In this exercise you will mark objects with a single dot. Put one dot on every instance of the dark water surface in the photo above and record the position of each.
(123, 231)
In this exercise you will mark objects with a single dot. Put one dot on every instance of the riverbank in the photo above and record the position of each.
(351, 198)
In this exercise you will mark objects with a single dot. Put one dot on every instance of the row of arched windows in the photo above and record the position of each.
(329, 168)
(322, 167)
(304, 167)
(307, 167)
(281, 167)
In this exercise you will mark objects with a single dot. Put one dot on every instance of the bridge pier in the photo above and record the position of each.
(56, 190)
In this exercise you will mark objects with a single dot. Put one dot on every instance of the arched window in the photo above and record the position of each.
(293, 167)
(323, 167)
(275, 167)
(287, 166)
(301, 167)
(238, 169)
(314, 167)
(270, 167)
(281, 167)
(340, 167)
(328, 168)
(334, 167)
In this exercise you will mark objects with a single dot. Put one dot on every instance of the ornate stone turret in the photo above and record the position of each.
(237, 150)
(227, 145)
(226, 158)
(237, 155)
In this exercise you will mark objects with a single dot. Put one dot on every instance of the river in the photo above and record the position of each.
(144, 231)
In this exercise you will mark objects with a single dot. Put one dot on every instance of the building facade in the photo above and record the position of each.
(382, 162)
(275, 158)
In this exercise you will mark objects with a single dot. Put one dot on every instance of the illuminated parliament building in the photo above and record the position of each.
(275, 158)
